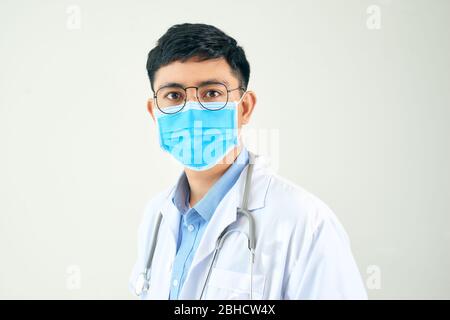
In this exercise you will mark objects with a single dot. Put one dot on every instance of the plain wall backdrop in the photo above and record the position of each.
(356, 94)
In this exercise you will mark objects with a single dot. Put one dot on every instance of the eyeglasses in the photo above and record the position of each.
(212, 96)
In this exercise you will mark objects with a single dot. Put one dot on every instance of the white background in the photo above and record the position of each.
(362, 117)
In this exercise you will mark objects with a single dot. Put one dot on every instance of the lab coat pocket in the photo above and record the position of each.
(228, 285)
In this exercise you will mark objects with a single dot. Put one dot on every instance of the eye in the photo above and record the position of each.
(212, 94)
(173, 95)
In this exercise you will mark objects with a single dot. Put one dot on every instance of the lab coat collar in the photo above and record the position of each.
(171, 216)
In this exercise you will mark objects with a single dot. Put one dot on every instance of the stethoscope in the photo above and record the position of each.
(143, 280)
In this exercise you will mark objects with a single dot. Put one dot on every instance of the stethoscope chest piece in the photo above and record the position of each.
(142, 284)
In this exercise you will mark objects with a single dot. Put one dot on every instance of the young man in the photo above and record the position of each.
(229, 228)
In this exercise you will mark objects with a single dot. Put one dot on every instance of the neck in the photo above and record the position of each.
(201, 181)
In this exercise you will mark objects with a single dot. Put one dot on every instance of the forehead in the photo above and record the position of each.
(192, 72)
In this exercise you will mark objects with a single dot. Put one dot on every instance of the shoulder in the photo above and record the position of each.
(300, 208)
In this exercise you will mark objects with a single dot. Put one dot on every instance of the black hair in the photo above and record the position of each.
(184, 41)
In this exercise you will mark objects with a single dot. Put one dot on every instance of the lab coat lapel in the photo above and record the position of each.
(161, 273)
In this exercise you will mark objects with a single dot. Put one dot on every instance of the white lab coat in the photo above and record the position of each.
(302, 251)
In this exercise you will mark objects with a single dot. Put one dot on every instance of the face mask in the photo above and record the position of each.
(199, 138)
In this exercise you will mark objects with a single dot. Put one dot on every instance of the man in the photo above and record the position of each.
(297, 248)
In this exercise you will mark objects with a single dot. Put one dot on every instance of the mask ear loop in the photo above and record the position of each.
(239, 135)
(240, 100)
(156, 114)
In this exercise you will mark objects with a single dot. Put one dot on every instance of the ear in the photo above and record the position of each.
(248, 105)
(150, 108)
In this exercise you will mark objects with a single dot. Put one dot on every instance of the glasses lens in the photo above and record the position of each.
(170, 99)
(213, 96)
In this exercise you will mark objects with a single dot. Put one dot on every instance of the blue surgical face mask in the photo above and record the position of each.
(199, 138)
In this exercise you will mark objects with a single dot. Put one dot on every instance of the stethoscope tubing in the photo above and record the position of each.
(251, 237)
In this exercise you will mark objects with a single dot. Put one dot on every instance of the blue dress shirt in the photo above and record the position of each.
(194, 220)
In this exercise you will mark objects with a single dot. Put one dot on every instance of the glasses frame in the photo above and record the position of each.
(155, 96)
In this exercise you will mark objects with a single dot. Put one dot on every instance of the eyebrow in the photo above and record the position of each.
(198, 84)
